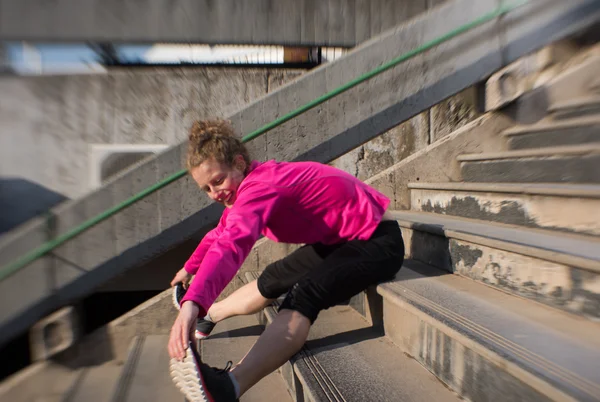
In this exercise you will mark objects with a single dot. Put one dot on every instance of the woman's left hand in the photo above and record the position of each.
(182, 328)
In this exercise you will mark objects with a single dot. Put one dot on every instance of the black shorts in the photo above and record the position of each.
(319, 276)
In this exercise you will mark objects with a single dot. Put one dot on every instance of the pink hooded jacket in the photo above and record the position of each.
(290, 202)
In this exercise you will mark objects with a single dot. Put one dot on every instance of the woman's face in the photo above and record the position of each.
(220, 181)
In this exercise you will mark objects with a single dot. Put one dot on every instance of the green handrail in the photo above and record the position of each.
(40, 251)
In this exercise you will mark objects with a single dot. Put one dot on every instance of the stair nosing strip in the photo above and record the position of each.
(546, 126)
(583, 101)
(133, 357)
(554, 190)
(556, 256)
(493, 357)
(526, 250)
(328, 386)
(522, 352)
(70, 394)
(550, 152)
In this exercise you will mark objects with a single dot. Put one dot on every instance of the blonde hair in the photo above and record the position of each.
(214, 139)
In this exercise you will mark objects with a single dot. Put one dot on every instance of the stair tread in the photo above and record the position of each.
(364, 365)
(554, 345)
(548, 125)
(591, 99)
(340, 336)
(559, 189)
(230, 340)
(96, 384)
(580, 246)
(150, 379)
(560, 151)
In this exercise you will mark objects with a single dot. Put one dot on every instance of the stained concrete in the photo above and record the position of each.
(291, 22)
(549, 169)
(576, 135)
(547, 211)
(51, 121)
(488, 345)
(345, 122)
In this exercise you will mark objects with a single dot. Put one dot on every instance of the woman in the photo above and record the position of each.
(350, 242)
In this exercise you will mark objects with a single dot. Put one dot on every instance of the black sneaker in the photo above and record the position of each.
(199, 382)
(178, 294)
(203, 327)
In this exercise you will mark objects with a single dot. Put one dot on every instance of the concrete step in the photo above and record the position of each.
(347, 359)
(563, 207)
(488, 345)
(578, 107)
(178, 212)
(145, 376)
(558, 269)
(96, 384)
(551, 133)
(46, 381)
(230, 340)
(565, 164)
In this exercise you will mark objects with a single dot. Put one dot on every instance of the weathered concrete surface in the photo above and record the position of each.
(343, 123)
(437, 162)
(291, 22)
(552, 168)
(145, 376)
(231, 340)
(557, 269)
(107, 345)
(579, 78)
(556, 212)
(565, 287)
(347, 359)
(527, 73)
(488, 345)
(44, 381)
(455, 363)
(54, 334)
(411, 136)
(579, 131)
(46, 118)
(583, 106)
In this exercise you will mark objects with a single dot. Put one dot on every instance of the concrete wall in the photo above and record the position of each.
(411, 136)
(306, 22)
(171, 215)
(49, 122)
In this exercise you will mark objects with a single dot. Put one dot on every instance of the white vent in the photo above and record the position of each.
(107, 160)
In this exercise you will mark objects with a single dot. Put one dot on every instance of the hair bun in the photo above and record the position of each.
(204, 130)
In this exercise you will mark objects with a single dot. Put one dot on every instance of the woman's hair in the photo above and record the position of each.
(214, 139)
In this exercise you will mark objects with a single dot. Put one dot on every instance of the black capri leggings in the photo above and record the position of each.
(319, 276)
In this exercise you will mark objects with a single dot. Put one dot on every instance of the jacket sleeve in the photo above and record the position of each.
(193, 263)
(245, 223)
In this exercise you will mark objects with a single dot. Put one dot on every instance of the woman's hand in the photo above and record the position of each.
(182, 328)
(181, 276)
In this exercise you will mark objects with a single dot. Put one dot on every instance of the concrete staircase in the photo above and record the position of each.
(497, 301)
(167, 218)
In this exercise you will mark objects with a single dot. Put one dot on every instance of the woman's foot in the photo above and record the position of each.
(201, 383)
(203, 327)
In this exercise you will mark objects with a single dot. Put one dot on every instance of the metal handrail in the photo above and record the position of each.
(45, 248)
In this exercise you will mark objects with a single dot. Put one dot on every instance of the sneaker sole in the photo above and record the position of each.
(199, 335)
(186, 376)
(174, 298)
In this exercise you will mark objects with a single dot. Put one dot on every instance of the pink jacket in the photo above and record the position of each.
(290, 202)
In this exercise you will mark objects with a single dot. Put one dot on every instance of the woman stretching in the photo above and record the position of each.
(350, 242)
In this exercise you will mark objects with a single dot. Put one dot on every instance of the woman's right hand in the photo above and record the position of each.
(181, 276)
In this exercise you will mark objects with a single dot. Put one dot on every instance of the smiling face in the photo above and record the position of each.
(219, 180)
